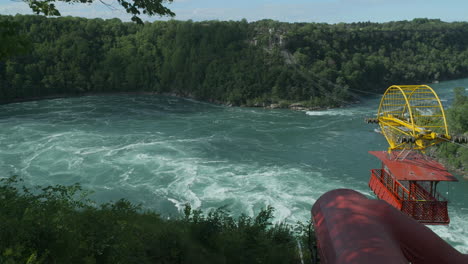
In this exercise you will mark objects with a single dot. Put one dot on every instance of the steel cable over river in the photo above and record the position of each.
(165, 152)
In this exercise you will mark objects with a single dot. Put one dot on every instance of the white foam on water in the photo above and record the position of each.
(248, 188)
(262, 187)
(92, 150)
(456, 232)
(183, 194)
(126, 175)
(354, 111)
(329, 113)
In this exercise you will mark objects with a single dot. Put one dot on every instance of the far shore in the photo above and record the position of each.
(297, 106)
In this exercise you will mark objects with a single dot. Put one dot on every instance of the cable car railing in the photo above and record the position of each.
(413, 199)
(402, 191)
(396, 188)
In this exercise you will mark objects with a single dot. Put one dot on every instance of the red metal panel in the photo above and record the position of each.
(352, 229)
(382, 192)
(413, 167)
(427, 212)
(420, 205)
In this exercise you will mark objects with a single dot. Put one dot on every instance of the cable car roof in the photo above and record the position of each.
(413, 166)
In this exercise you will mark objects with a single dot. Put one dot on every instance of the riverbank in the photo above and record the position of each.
(295, 106)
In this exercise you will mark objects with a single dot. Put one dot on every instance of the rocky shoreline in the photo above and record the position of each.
(297, 106)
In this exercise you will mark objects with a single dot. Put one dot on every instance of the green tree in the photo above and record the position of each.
(14, 43)
(456, 155)
(457, 114)
(11, 42)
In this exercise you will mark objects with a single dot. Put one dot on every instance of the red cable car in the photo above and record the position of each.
(409, 184)
(411, 118)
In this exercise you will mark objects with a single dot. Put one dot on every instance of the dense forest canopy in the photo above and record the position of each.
(232, 62)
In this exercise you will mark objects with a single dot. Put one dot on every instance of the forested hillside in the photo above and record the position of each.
(235, 62)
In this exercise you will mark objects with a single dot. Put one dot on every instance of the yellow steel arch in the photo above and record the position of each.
(392, 104)
(444, 129)
(412, 117)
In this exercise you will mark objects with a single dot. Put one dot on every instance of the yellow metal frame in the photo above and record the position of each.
(412, 111)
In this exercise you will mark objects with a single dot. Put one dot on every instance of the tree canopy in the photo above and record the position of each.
(13, 43)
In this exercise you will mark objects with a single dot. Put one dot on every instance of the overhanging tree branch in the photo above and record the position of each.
(134, 8)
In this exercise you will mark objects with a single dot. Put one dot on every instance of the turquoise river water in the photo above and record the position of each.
(164, 152)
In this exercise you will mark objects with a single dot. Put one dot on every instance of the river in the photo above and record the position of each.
(164, 152)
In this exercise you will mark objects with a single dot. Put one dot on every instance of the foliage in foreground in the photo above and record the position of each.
(57, 224)
(135, 8)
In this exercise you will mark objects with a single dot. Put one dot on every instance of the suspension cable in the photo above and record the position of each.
(451, 141)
